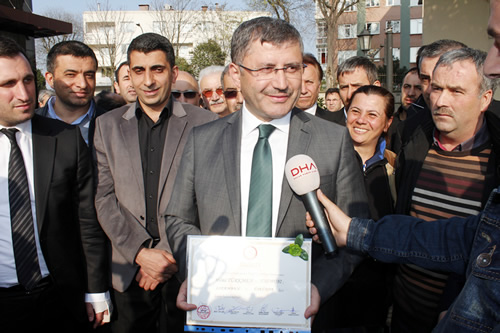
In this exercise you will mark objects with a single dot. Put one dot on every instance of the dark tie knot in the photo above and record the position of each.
(10, 133)
(265, 131)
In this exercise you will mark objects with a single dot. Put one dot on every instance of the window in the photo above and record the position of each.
(415, 26)
(322, 55)
(321, 34)
(372, 3)
(416, 2)
(396, 53)
(344, 55)
(373, 28)
(351, 8)
(395, 25)
(393, 3)
(347, 31)
(159, 27)
(413, 54)
(128, 26)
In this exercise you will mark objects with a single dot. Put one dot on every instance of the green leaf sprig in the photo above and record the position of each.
(296, 249)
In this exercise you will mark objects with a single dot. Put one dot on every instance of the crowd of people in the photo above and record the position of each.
(100, 191)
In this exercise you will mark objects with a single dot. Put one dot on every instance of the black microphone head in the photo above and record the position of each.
(302, 174)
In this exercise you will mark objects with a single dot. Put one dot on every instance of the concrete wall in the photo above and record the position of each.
(462, 20)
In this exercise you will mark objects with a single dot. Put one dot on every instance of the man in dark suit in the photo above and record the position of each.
(71, 70)
(52, 248)
(311, 84)
(353, 73)
(138, 149)
(214, 188)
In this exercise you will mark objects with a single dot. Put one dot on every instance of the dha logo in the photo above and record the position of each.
(304, 170)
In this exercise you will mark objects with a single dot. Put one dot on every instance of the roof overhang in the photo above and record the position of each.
(18, 21)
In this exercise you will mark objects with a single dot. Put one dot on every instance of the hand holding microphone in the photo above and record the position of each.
(303, 177)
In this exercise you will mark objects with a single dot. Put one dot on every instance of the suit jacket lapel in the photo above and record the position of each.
(130, 139)
(231, 153)
(176, 127)
(299, 138)
(44, 150)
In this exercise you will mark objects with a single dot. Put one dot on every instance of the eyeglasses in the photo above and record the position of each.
(209, 93)
(187, 93)
(267, 73)
(230, 94)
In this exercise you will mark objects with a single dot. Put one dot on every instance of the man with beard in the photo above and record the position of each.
(410, 92)
(71, 69)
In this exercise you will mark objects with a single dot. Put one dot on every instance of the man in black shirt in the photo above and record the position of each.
(138, 149)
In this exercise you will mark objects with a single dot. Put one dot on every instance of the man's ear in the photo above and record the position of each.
(117, 87)
(377, 83)
(49, 77)
(486, 100)
(175, 72)
(234, 73)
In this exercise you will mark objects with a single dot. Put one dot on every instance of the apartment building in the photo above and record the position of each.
(109, 33)
(376, 16)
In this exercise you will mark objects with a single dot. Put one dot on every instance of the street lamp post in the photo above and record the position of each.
(139, 25)
(388, 60)
(365, 41)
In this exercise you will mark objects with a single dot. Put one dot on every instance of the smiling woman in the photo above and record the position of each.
(368, 118)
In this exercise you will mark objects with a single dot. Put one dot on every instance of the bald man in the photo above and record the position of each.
(186, 89)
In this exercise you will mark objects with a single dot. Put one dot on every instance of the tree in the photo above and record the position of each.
(106, 33)
(173, 20)
(331, 10)
(43, 45)
(207, 54)
(183, 65)
(40, 81)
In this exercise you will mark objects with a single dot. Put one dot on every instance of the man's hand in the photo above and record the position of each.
(101, 318)
(182, 299)
(339, 222)
(160, 265)
(313, 309)
(145, 281)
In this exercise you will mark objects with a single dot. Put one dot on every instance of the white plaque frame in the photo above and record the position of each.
(247, 282)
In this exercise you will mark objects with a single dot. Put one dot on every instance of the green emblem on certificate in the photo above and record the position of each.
(296, 249)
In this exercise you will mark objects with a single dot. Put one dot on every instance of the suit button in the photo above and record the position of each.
(483, 260)
(142, 217)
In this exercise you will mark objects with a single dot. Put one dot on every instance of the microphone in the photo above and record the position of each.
(303, 177)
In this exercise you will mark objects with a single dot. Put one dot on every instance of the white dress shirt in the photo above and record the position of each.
(278, 140)
(8, 275)
(312, 109)
(83, 121)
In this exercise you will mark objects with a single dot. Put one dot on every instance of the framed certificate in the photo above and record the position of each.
(249, 281)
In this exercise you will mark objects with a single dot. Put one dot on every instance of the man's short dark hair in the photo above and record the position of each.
(264, 29)
(350, 65)
(117, 79)
(332, 91)
(10, 48)
(411, 70)
(310, 60)
(69, 47)
(436, 49)
(150, 42)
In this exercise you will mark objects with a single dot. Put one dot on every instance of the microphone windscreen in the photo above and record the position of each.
(302, 174)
